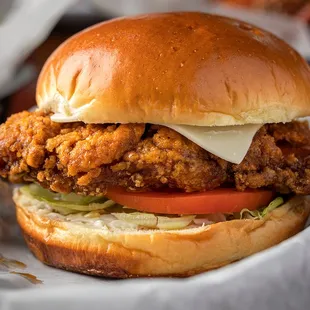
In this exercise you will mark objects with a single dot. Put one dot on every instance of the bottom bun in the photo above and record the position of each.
(121, 254)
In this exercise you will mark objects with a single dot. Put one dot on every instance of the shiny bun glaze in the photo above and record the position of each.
(175, 68)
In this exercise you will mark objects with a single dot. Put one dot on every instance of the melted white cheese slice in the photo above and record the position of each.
(227, 142)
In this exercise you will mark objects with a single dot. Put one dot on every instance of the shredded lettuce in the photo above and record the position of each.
(253, 214)
(273, 205)
(259, 214)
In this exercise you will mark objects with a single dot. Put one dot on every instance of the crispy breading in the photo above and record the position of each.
(169, 159)
(89, 147)
(273, 160)
(88, 158)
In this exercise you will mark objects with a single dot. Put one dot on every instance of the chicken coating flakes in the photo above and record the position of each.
(88, 147)
(167, 158)
(87, 158)
(23, 141)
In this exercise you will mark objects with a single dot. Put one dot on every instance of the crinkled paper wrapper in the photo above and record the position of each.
(278, 278)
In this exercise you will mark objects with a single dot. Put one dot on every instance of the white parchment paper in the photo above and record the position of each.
(278, 278)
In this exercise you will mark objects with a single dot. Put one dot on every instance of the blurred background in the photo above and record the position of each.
(30, 30)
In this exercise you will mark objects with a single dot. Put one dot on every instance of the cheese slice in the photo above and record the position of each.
(227, 142)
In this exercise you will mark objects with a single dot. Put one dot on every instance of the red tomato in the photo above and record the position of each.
(224, 200)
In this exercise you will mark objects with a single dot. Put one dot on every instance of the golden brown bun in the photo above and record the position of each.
(89, 250)
(175, 68)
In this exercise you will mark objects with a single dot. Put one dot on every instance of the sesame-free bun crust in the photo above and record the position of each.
(175, 68)
(141, 253)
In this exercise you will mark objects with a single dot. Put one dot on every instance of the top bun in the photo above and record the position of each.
(175, 68)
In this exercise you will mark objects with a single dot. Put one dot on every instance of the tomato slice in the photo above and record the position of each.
(224, 200)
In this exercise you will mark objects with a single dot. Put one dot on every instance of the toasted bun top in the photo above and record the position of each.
(175, 68)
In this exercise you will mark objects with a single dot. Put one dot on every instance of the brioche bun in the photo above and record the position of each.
(122, 254)
(175, 68)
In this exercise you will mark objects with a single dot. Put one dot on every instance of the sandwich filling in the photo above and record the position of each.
(87, 159)
(104, 213)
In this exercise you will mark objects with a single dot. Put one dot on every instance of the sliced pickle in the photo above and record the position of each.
(140, 219)
(171, 223)
(67, 202)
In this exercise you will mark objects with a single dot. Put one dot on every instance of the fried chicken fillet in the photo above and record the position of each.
(87, 158)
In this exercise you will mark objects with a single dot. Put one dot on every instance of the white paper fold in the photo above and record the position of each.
(24, 27)
(278, 278)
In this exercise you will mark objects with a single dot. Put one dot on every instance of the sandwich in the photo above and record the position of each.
(163, 145)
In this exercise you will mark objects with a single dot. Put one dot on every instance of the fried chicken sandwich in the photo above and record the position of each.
(163, 145)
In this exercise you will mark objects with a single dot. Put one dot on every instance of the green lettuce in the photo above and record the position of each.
(259, 214)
